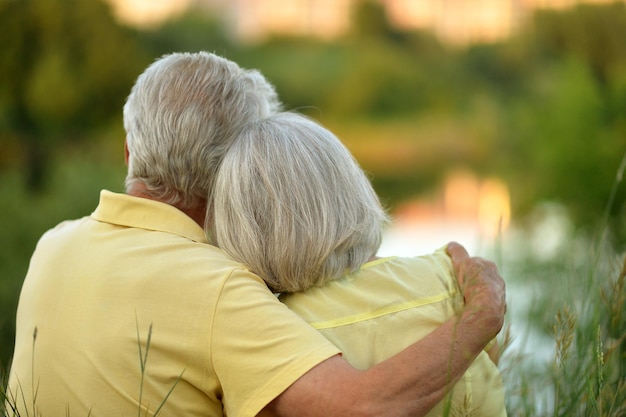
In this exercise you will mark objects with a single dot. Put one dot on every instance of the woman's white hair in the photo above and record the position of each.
(180, 117)
(293, 205)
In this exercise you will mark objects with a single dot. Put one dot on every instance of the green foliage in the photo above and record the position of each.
(590, 33)
(565, 137)
(65, 63)
(66, 68)
(370, 22)
(190, 32)
(580, 306)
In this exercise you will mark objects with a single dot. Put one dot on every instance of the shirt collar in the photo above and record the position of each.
(143, 213)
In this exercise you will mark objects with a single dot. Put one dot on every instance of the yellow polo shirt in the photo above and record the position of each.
(99, 288)
(388, 305)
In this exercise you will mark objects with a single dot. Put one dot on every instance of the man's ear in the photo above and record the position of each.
(126, 153)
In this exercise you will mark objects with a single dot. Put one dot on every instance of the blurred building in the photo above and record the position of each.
(453, 21)
(253, 20)
(146, 13)
(458, 21)
(561, 4)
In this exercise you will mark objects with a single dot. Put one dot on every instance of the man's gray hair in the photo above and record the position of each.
(292, 203)
(180, 117)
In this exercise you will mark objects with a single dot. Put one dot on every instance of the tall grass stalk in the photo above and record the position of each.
(586, 376)
(9, 401)
(143, 360)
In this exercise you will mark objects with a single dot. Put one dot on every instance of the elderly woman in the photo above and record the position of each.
(292, 204)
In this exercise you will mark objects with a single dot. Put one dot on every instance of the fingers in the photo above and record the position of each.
(456, 251)
(459, 257)
(482, 287)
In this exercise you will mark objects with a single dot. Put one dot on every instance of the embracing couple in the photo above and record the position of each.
(237, 275)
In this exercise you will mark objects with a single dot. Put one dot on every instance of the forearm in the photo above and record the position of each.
(410, 383)
(415, 380)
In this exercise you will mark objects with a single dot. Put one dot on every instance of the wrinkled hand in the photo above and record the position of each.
(483, 288)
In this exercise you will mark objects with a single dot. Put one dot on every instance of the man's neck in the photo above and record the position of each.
(197, 213)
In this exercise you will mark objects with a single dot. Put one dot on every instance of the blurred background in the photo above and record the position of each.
(497, 123)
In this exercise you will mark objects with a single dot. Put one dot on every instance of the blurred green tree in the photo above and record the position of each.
(593, 33)
(569, 151)
(195, 30)
(569, 125)
(66, 67)
(369, 21)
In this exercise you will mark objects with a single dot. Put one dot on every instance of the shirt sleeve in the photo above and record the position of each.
(259, 347)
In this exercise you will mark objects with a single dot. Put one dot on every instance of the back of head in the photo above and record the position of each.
(292, 203)
(181, 116)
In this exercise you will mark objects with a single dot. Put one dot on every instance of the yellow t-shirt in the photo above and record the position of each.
(388, 305)
(100, 287)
